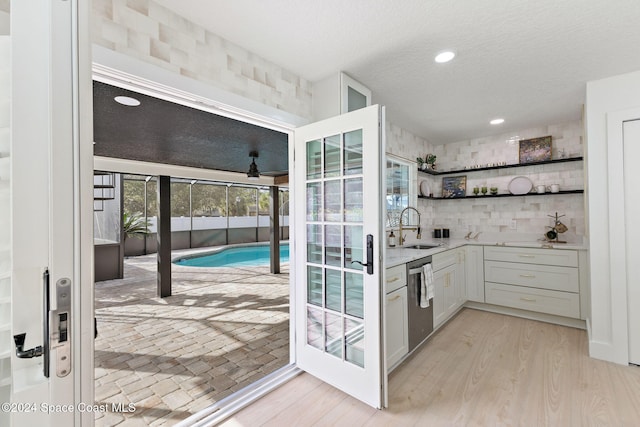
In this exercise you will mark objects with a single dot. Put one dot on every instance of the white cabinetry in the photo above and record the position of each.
(397, 327)
(338, 94)
(474, 269)
(448, 276)
(539, 280)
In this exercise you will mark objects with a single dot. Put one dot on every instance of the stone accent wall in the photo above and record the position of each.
(144, 30)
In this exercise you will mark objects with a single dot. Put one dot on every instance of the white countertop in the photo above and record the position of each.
(401, 254)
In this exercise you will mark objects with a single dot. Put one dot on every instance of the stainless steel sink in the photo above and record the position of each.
(422, 246)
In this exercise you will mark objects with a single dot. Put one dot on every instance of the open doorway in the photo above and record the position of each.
(222, 329)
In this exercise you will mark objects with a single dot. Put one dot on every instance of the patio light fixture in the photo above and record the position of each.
(253, 173)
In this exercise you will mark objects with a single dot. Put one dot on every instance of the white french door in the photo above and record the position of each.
(338, 196)
(51, 239)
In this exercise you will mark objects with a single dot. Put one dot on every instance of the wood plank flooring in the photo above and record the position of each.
(481, 369)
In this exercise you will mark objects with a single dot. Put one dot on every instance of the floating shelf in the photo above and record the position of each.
(503, 195)
(517, 165)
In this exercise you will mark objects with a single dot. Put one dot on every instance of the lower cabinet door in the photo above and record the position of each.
(397, 326)
(444, 294)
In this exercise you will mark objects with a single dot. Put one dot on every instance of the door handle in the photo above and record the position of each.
(369, 263)
(41, 350)
(21, 353)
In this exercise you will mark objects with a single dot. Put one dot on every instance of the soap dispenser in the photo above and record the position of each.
(392, 239)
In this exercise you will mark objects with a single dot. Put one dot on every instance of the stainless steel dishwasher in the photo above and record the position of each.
(420, 319)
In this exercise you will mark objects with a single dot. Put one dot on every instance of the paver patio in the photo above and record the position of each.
(221, 330)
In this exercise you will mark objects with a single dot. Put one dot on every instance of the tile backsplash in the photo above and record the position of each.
(496, 215)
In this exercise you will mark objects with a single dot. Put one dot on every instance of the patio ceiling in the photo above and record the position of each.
(163, 132)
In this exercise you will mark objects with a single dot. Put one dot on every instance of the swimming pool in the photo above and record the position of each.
(234, 256)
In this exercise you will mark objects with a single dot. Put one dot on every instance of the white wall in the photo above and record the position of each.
(608, 324)
(5, 226)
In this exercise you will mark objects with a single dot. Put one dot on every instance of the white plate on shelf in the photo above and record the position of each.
(520, 185)
(425, 190)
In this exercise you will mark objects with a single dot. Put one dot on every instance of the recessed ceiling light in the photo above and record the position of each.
(497, 121)
(445, 56)
(127, 100)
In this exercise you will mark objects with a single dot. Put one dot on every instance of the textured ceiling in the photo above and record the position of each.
(163, 132)
(527, 61)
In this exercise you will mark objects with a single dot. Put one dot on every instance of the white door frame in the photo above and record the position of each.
(129, 73)
(618, 230)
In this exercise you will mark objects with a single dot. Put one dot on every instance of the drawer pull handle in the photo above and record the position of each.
(528, 299)
(395, 279)
(530, 276)
(394, 298)
(526, 256)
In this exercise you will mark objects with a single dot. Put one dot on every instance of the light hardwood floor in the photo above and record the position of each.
(481, 369)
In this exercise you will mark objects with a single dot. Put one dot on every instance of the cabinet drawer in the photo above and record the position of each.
(534, 276)
(541, 300)
(567, 258)
(396, 278)
(444, 259)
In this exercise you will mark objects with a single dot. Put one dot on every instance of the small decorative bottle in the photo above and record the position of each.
(392, 239)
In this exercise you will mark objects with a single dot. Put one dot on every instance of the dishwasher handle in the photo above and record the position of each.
(413, 271)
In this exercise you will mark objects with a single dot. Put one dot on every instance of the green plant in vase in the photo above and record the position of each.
(431, 160)
(484, 191)
(476, 190)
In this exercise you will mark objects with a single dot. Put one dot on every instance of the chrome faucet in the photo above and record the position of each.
(401, 237)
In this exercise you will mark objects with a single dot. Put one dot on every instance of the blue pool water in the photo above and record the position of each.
(241, 256)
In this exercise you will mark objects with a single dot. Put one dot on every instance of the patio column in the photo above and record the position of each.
(274, 229)
(164, 236)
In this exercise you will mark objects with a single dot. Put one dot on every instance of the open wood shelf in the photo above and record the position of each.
(503, 195)
(517, 165)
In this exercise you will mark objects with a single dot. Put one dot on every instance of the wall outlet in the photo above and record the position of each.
(513, 225)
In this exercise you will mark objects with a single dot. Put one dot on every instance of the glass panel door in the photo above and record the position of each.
(338, 302)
